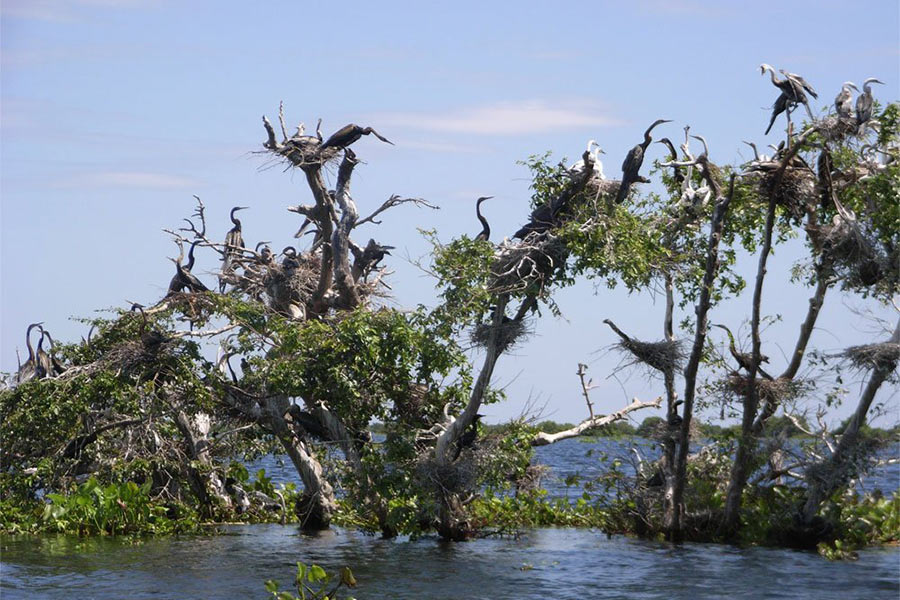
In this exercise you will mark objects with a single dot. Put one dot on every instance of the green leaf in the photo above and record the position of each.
(316, 573)
(271, 586)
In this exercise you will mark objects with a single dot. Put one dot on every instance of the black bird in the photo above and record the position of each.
(32, 369)
(349, 134)
(780, 105)
(632, 165)
(675, 420)
(234, 243)
(183, 278)
(51, 366)
(151, 339)
(673, 157)
(744, 359)
(485, 232)
(367, 261)
(467, 439)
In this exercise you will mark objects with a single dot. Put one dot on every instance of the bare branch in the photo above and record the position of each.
(391, 202)
(542, 439)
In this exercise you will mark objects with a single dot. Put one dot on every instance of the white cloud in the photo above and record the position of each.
(505, 118)
(132, 179)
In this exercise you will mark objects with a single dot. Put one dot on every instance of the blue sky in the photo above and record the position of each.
(115, 112)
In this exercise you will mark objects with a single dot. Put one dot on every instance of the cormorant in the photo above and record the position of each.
(632, 164)
(485, 232)
(349, 134)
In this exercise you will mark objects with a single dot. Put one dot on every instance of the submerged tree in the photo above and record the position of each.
(320, 357)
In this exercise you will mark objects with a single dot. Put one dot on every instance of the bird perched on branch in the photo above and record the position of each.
(675, 420)
(485, 232)
(632, 164)
(843, 102)
(467, 439)
(32, 369)
(234, 243)
(864, 103)
(594, 149)
(744, 359)
(183, 278)
(349, 134)
(792, 93)
(677, 175)
(150, 338)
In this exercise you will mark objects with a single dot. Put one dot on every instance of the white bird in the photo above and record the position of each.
(577, 166)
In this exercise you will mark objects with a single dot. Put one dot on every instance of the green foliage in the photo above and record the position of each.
(314, 583)
(115, 509)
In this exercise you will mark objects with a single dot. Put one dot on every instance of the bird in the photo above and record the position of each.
(467, 439)
(485, 232)
(792, 86)
(183, 278)
(32, 369)
(677, 175)
(151, 339)
(51, 366)
(594, 149)
(864, 102)
(349, 134)
(234, 243)
(367, 261)
(675, 420)
(632, 164)
(780, 105)
(843, 101)
(798, 80)
(744, 359)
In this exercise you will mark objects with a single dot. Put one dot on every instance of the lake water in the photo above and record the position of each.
(541, 564)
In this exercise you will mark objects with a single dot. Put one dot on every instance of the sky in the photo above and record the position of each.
(114, 113)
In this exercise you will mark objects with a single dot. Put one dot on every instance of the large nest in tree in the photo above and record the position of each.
(884, 355)
(508, 333)
(796, 191)
(836, 129)
(773, 391)
(853, 252)
(528, 265)
(305, 150)
(662, 431)
(665, 355)
(292, 283)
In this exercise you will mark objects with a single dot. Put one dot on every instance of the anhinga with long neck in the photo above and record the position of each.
(485, 232)
(632, 164)
(234, 243)
(150, 338)
(52, 366)
(183, 277)
(675, 420)
(32, 367)
(349, 134)
(843, 102)
(744, 359)
(677, 175)
(865, 101)
(791, 87)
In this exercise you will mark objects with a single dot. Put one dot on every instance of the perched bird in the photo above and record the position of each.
(32, 369)
(183, 278)
(632, 164)
(234, 243)
(843, 102)
(467, 439)
(744, 359)
(594, 149)
(677, 175)
(798, 80)
(485, 232)
(349, 134)
(150, 338)
(675, 420)
(780, 105)
(792, 92)
(864, 103)
(51, 365)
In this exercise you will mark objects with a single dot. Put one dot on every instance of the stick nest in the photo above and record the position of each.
(854, 253)
(665, 356)
(796, 191)
(508, 334)
(529, 264)
(873, 356)
(773, 391)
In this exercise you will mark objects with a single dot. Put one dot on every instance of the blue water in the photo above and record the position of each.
(541, 564)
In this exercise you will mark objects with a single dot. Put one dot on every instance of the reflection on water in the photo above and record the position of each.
(545, 563)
